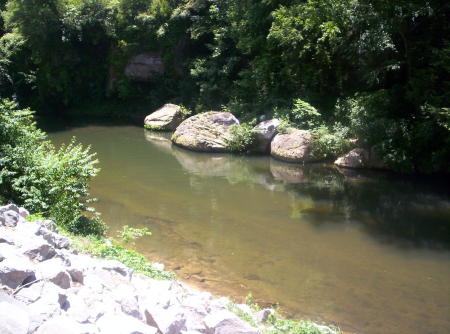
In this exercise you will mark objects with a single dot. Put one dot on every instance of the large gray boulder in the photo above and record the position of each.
(360, 158)
(14, 318)
(293, 146)
(205, 132)
(265, 132)
(167, 118)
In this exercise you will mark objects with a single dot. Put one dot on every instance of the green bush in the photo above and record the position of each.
(302, 115)
(242, 138)
(41, 178)
(330, 143)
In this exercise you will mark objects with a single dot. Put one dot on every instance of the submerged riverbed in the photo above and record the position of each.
(367, 251)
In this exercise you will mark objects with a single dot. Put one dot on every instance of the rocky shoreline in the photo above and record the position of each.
(217, 132)
(47, 287)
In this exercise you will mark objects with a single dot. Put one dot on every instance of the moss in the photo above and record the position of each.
(154, 127)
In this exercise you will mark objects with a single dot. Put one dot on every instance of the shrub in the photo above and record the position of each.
(302, 115)
(330, 143)
(41, 178)
(242, 138)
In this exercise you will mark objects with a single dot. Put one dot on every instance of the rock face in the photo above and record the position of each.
(265, 132)
(360, 158)
(167, 118)
(294, 146)
(205, 132)
(144, 67)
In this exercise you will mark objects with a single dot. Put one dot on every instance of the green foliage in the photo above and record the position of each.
(43, 179)
(388, 61)
(302, 115)
(109, 249)
(185, 112)
(34, 217)
(242, 138)
(330, 143)
(128, 233)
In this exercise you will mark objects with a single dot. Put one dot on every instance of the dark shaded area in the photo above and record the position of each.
(398, 210)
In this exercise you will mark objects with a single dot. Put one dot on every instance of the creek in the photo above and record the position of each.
(368, 251)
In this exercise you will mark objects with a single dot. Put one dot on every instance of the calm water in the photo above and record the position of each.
(367, 251)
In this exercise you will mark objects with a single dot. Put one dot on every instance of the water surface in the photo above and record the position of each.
(366, 251)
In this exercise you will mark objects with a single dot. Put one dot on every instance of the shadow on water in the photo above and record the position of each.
(393, 209)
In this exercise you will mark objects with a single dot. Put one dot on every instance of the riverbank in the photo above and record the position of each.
(48, 286)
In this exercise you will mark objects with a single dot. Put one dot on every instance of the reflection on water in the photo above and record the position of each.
(368, 251)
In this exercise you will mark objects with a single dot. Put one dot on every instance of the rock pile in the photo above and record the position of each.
(47, 288)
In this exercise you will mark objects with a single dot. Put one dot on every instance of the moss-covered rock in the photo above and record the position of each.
(293, 146)
(167, 118)
(205, 132)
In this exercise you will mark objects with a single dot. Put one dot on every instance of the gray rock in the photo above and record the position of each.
(28, 229)
(356, 158)
(8, 250)
(294, 146)
(23, 212)
(9, 207)
(144, 66)
(14, 318)
(167, 118)
(37, 248)
(50, 304)
(360, 158)
(117, 267)
(48, 224)
(126, 296)
(7, 236)
(53, 270)
(56, 240)
(30, 293)
(168, 321)
(10, 218)
(205, 132)
(76, 274)
(36, 228)
(123, 324)
(263, 315)
(76, 308)
(265, 132)
(65, 325)
(225, 322)
(16, 270)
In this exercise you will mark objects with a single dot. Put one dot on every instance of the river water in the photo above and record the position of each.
(367, 251)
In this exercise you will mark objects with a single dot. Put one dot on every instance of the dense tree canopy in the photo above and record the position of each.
(375, 70)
